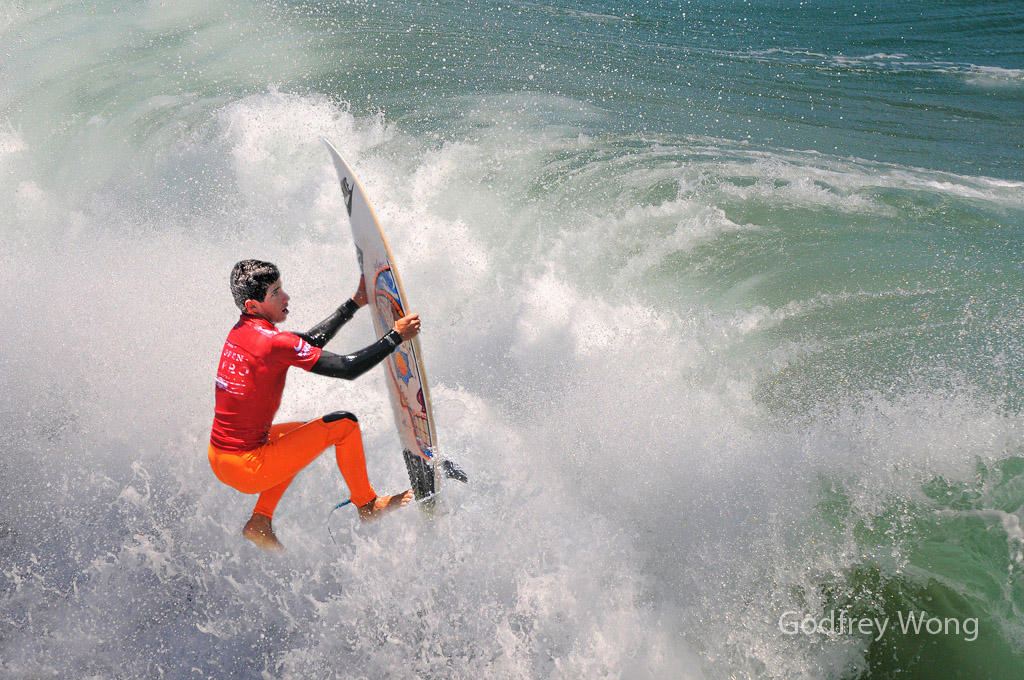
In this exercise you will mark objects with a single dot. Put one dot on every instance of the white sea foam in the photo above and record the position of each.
(10, 142)
(993, 76)
(555, 606)
(846, 184)
(896, 62)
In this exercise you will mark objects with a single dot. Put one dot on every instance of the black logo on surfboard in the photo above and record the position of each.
(346, 189)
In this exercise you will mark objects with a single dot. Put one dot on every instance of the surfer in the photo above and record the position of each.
(250, 454)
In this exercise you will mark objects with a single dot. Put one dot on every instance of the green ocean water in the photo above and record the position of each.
(723, 309)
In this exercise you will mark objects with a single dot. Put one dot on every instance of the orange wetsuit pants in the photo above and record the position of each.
(269, 469)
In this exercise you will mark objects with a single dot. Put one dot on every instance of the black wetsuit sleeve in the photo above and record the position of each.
(320, 334)
(351, 366)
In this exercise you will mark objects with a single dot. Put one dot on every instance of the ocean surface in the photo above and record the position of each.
(722, 308)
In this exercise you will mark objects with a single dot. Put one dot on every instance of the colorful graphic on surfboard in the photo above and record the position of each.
(407, 381)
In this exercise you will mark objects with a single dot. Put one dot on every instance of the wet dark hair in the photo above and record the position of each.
(250, 280)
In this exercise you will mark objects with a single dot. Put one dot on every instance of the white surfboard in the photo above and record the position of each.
(406, 378)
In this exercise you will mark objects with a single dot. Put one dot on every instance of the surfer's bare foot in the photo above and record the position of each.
(259, 531)
(382, 505)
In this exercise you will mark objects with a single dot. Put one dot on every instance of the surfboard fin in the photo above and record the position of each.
(421, 474)
(453, 471)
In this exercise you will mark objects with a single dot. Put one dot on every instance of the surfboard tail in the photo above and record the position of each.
(423, 475)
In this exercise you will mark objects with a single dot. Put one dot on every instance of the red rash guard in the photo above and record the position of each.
(250, 380)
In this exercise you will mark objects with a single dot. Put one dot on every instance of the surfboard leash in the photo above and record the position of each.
(329, 531)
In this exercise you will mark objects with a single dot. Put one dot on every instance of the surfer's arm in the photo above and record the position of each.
(320, 334)
(351, 366)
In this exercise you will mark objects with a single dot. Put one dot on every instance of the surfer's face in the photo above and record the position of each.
(274, 307)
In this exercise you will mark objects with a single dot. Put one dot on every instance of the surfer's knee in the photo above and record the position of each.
(339, 415)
